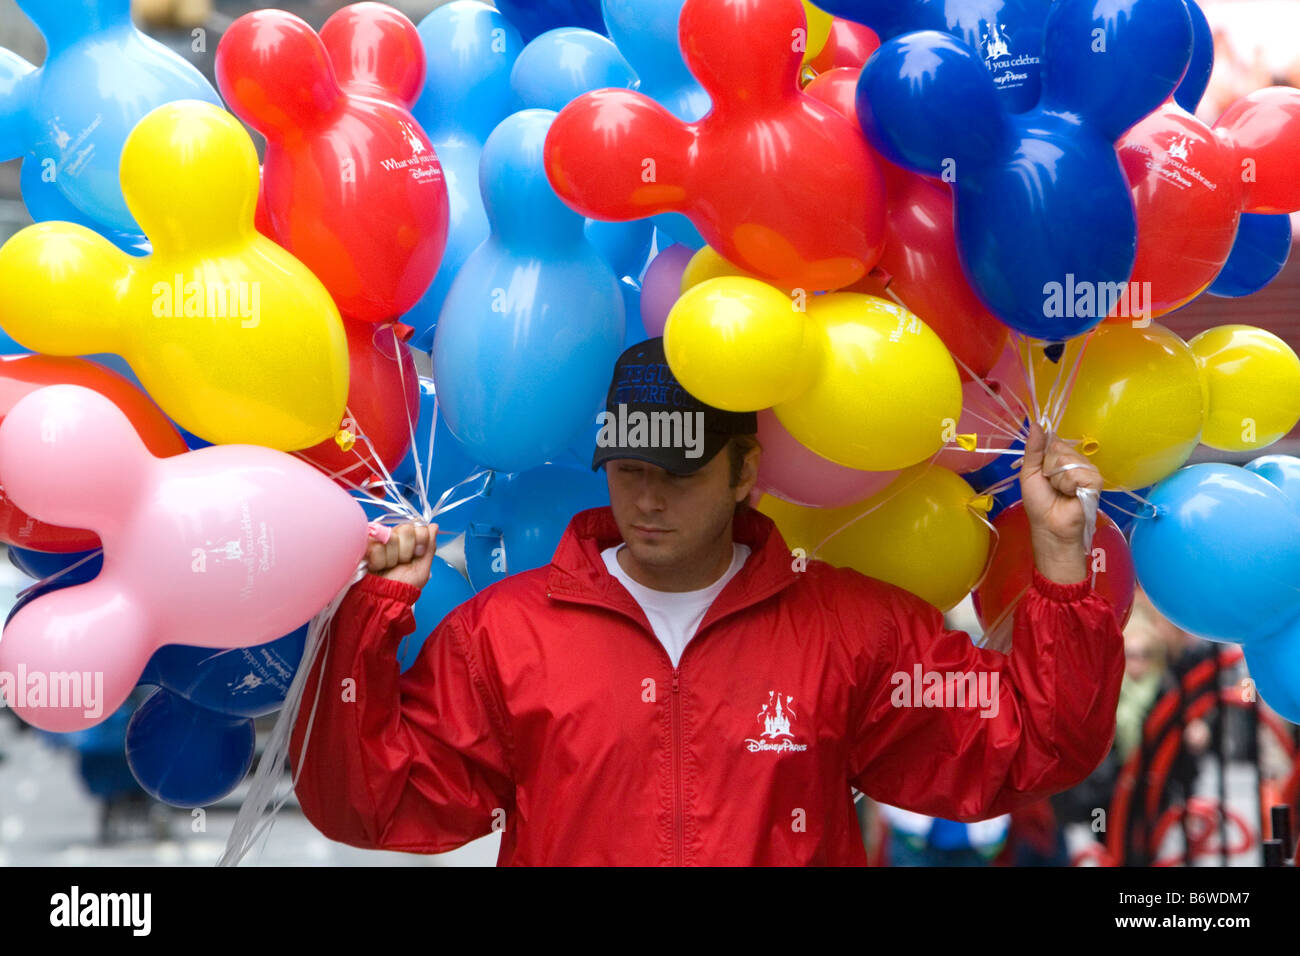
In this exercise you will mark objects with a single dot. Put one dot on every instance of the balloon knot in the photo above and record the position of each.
(982, 503)
(967, 442)
(345, 439)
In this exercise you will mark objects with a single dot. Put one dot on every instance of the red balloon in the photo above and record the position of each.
(21, 375)
(776, 181)
(850, 45)
(1191, 184)
(383, 406)
(920, 264)
(1011, 566)
(350, 185)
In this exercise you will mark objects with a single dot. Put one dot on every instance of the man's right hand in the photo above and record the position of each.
(408, 555)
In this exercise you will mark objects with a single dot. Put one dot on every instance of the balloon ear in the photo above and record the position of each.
(926, 102)
(643, 149)
(68, 456)
(274, 72)
(375, 49)
(15, 99)
(469, 49)
(764, 67)
(1264, 130)
(64, 287)
(1113, 70)
(86, 646)
(888, 18)
(1197, 78)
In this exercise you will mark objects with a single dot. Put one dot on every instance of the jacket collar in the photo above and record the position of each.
(578, 573)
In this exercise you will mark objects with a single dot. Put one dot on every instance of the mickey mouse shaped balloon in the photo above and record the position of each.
(72, 116)
(231, 335)
(775, 180)
(1044, 219)
(1192, 183)
(229, 546)
(1007, 34)
(351, 184)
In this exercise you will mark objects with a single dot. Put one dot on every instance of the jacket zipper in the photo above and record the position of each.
(679, 798)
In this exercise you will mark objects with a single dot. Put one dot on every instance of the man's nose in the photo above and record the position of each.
(650, 493)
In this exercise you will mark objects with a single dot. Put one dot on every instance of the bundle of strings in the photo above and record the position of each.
(257, 812)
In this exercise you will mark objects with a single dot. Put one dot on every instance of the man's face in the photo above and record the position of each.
(675, 521)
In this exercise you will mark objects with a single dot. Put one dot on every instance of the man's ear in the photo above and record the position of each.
(749, 472)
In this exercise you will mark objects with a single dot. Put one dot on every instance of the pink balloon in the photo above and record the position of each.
(228, 546)
(794, 473)
(662, 286)
(1009, 372)
(983, 416)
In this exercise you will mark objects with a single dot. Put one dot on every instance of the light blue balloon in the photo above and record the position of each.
(470, 50)
(645, 32)
(1282, 471)
(70, 118)
(534, 321)
(446, 590)
(632, 309)
(519, 525)
(562, 64)
(1221, 556)
(46, 203)
(1274, 664)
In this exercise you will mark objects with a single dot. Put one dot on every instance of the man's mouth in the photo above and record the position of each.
(648, 530)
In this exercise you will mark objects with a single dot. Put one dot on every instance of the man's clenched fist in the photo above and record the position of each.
(408, 555)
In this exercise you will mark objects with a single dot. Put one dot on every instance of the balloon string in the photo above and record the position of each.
(1058, 409)
(1014, 420)
(260, 806)
(892, 491)
(420, 488)
(988, 562)
(1026, 360)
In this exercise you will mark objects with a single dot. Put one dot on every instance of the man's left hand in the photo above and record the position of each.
(1056, 517)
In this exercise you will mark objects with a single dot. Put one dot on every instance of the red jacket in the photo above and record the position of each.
(545, 707)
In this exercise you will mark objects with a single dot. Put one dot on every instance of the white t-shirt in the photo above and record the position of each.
(675, 615)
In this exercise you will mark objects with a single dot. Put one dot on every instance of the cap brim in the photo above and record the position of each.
(672, 460)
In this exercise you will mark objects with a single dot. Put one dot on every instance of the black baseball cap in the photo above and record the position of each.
(650, 417)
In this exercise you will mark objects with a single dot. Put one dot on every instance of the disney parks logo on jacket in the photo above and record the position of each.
(775, 717)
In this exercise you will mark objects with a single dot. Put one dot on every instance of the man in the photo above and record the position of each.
(675, 688)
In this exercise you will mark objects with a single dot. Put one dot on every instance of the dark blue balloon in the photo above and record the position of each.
(1007, 34)
(535, 17)
(240, 682)
(999, 469)
(519, 525)
(1221, 556)
(43, 564)
(446, 590)
(1197, 78)
(1259, 253)
(185, 755)
(1041, 203)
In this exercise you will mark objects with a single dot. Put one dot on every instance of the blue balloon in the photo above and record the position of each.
(470, 50)
(999, 469)
(1259, 253)
(560, 65)
(451, 463)
(519, 525)
(645, 32)
(1221, 556)
(1041, 204)
(1274, 664)
(9, 347)
(240, 682)
(635, 331)
(535, 17)
(446, 590)
(555, 69)
(1007, 34)
(1281, 471)
(1197, 78)
(534, 321)
(71, 116)
(77, 567)
(185, 755)
(46, 203)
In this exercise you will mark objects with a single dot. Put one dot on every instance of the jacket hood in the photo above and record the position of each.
(577, 570)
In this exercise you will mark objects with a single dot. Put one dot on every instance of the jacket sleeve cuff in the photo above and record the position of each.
(1064, 593)
(375, 586)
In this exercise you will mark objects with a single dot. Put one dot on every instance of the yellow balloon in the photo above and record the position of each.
(1137, 404)
(739, 344)
(886, 392)
(1252, 380)
(230, 334)
(924, 533)
(708, 264)
(819, 30)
